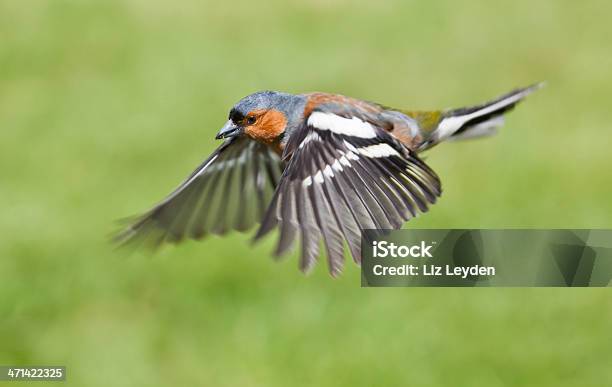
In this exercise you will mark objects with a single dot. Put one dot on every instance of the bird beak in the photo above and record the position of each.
(229, 130)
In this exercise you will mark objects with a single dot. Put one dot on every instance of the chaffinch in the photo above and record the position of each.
(315, 166)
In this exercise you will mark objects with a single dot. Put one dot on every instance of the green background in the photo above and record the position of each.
(105, 106)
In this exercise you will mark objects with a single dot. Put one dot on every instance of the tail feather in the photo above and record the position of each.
(477, 121)
(485, 128)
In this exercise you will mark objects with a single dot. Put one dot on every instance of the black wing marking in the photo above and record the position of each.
(228, 191)
(336, 184)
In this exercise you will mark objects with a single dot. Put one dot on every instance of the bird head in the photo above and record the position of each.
(263, 116)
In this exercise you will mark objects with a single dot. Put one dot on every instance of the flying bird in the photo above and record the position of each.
(317, 167)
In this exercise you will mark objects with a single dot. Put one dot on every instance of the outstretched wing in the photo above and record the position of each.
(345, 174)
(229, 190)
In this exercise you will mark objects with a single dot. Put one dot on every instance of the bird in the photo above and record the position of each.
(317, 167)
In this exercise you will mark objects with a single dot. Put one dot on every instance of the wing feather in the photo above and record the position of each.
(340, 208)
(229, 190)
(337, 184)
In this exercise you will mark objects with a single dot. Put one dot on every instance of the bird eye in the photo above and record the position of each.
(251, 120)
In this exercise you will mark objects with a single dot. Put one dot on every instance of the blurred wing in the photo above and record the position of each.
(229, 190)
(345, 175)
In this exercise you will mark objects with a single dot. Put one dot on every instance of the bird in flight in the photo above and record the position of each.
(317, 167)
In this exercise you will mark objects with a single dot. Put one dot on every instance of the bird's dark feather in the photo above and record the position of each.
(229, 190)
(317, 201)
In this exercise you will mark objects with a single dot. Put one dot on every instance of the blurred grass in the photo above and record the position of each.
(105, 106)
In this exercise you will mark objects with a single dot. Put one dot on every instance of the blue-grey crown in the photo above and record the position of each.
(258, 101)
